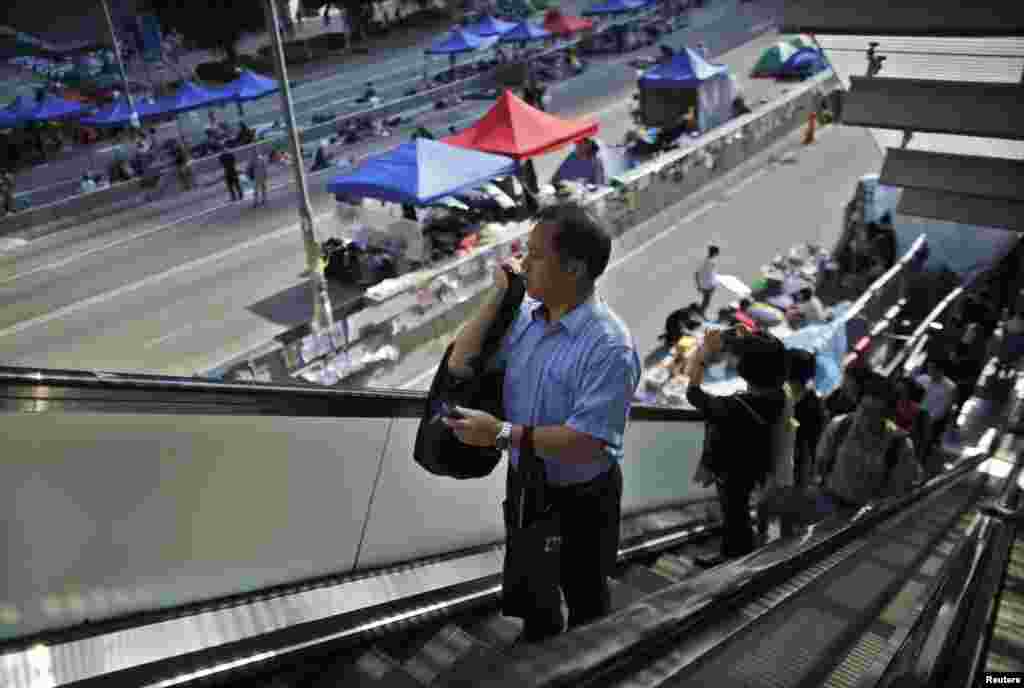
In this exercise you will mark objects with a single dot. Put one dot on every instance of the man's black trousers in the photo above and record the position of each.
(590, 514)
(738, 535)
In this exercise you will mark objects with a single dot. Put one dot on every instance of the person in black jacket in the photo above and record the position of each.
(740, 428)
(809, 413)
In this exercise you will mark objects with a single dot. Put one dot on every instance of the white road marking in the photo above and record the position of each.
(171, 335)
(139, 235)
(736, 188)
(73, 308)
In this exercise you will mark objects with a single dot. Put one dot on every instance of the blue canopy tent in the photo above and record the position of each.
(119, 114)
(669, 90)
(525, 31)
(16, 113)
(616, 7)
(490, 26)
(53, 108)
(804, 62)
(420, 172)
(188, 97)
(249, 86)
(460, 40)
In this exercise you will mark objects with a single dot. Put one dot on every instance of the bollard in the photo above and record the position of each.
(812, 123)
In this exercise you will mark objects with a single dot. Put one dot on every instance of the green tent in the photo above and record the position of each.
(772, 59)
(802, 41)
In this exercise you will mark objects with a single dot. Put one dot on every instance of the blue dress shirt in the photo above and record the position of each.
(580, 371)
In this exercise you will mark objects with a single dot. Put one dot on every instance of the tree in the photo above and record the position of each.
(358, 12)
(212, 24)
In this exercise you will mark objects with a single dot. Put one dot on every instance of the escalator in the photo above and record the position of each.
(823, 609)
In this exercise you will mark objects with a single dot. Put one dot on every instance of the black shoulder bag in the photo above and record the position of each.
(533, 541)
(437, 448)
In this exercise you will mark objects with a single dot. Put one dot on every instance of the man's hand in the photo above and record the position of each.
(500, 278)
(477, 429)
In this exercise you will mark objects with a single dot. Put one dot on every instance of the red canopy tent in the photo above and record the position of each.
(519, 131)
(558, 23)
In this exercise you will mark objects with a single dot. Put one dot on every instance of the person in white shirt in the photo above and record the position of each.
(939, 394)
(706, 279)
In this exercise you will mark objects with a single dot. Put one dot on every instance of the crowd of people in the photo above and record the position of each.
(800, 457)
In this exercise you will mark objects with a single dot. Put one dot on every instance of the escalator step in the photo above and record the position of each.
(645, 579)
(494, 629)
(439, 654)
(675, 567)
(371, 669)
(623, 595)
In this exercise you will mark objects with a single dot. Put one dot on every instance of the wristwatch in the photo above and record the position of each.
(503, 441)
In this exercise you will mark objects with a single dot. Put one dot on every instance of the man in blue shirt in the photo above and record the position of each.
(573, 369)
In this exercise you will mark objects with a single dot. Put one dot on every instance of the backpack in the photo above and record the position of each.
(892, 452)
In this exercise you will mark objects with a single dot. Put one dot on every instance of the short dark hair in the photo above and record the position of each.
(578, 236)
(713, 250)
(802, 365)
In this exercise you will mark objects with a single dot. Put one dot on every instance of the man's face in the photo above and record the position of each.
(545, 278)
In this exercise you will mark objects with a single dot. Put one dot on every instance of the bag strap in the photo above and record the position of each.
(749, 408)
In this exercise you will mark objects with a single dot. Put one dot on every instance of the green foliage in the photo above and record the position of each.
(212, 24)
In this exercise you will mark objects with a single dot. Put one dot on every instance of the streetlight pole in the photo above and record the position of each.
(322, 313)
(120, 63)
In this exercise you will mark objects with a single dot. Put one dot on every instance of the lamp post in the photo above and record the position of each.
(120, 64)
(323, 317)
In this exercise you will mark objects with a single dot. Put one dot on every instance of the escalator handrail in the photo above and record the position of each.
(40, 390)
(602, 650)
(977, 616)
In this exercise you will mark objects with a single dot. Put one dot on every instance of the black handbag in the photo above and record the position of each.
(437, 448)
(533, 541)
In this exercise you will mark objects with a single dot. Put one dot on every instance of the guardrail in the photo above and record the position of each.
(398, 320)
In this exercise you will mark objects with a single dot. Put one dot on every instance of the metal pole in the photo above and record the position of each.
(120, 64)
(322, 313)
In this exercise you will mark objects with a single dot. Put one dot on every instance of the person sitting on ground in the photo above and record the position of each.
(807, 310)
(369, 94)
(87, 185)
(321, 158)
(245, 134)
(739, 107)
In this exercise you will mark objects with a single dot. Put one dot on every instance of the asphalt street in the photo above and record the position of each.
(179, 294)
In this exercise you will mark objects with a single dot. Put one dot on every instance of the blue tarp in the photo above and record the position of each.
(525, 31)
(118, 113)
(420, 172)
(54, 108)
(250, 86)
(804, 62)
(17, 111)
(460, 41)
(188, 97)
(615, 7)
(490, 26)
(686, 70)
